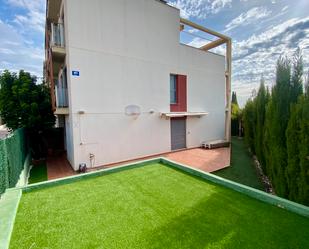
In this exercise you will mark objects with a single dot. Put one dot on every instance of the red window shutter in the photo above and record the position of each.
(181, 92)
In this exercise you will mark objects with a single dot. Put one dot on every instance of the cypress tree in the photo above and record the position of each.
(234, 98)
(249, 120)
(261, 102)
(303, 196)
(307, 84)
(293, 132)
(293, 135)
(277, 129)
(297, 172)
(235, 112)
(277, 119)
(297, 76)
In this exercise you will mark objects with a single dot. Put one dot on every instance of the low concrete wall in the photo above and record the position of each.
(10, 200)
(24, 175)
(254, 193)
(8, 208)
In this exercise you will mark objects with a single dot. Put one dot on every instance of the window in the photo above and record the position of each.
(173, 89)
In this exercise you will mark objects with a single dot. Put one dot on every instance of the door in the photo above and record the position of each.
(178, 133)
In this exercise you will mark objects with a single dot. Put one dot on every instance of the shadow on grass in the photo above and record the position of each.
(221, 221)
(242, 169)
(38, 173)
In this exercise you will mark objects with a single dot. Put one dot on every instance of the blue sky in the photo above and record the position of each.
(261, 30)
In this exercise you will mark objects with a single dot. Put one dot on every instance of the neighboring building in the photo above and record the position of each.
(124, 87)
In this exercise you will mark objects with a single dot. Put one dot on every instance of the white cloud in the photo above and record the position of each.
(285, 8)
(249, 17)
(197, 42)
(37, 5)
(17, 53)
(192, 31)
(257, 55)
(20, 36)
(34, 19)
(200, 8)
(217, 5)
(6, 51)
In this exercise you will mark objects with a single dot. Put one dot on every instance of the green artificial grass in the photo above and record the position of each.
(154, 206)
(38, 173)
(242, 169)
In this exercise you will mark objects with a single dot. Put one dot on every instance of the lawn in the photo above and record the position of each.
(242, 169)
(154, 206)
(38, 173)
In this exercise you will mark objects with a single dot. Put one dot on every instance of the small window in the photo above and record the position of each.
(173, 89)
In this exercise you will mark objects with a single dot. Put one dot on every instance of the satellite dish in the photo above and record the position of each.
(132, 110)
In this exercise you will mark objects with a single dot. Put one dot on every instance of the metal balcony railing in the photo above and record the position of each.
(61, 90)
(57, 35)
(61, 97)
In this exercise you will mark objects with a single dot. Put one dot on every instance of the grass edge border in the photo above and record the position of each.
(8, 210)
(101, 172)
(249, 191)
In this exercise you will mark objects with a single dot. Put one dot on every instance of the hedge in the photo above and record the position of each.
(13, 152)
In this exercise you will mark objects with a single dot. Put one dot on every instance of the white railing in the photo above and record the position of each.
(57, 34)
(61, 90)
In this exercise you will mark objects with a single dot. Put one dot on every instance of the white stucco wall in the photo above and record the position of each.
(125, 52)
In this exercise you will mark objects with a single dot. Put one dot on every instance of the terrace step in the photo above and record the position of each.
(215, 144)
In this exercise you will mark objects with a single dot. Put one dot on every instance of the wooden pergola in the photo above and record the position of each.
(221, 39)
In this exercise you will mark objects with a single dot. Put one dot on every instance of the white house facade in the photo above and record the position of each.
(124, 87)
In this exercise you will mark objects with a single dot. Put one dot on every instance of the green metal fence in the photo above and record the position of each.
(13, 152)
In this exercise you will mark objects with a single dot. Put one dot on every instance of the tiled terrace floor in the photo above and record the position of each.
(58, 166)
(206, 160)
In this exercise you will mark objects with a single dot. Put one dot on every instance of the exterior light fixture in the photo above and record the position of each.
(133, 111)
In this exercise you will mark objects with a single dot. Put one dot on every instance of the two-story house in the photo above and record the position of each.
(123, 86)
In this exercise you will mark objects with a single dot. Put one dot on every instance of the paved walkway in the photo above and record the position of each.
(58, 166)
(206, 160)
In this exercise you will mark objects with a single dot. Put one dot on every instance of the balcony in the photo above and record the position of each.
(57, 41)
(61, 96)
(53, 9)
(61, 92)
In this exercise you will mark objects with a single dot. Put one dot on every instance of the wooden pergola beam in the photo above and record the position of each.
(213, 44)
(228, 68)
(201, 28)
(228, 81)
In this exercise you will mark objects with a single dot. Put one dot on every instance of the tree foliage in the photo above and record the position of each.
(278, 115)
(261, 103)
(234, 98)
(249, 120)
(297, 172)
(277, 130)
(235, 115)
(23, 103)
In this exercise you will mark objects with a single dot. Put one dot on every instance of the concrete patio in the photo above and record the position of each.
(206, 160)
